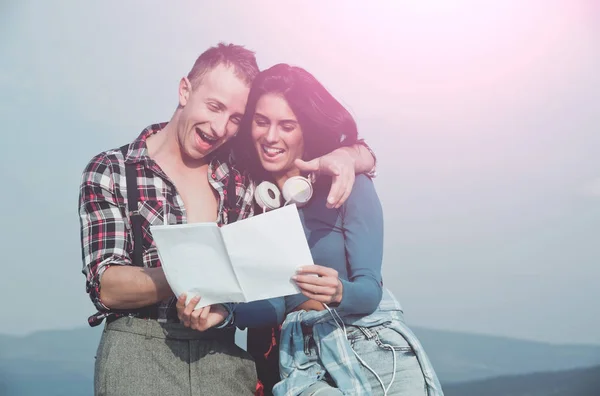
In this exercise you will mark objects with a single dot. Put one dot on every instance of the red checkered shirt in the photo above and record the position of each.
(105, 227)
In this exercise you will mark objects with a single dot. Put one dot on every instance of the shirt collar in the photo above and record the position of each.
(138, 150)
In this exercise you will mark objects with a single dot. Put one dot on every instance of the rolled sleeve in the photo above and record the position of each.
(103, 230)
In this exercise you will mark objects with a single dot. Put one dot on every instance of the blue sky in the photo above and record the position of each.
(485, 121)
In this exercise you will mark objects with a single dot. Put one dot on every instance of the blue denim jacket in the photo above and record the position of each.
(299, 370)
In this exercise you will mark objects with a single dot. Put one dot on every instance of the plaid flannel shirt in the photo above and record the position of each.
(106, 236)
(105, 227)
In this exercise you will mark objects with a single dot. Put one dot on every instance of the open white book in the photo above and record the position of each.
(251, 259)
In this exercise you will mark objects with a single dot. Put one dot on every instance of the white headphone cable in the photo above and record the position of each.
(343, 328)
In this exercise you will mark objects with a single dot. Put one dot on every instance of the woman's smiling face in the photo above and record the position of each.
(277, 135)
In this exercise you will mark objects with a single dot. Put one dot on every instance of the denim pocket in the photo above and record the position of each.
(382, 335)
(386, 337)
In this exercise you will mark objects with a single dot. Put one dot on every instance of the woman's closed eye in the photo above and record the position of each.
(261, 122)
(288, 126)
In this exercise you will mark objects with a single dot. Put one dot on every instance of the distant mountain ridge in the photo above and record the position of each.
(460, 357)
(61, 362)
(579, 382)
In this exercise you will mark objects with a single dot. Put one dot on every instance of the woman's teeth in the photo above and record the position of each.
(272, 150)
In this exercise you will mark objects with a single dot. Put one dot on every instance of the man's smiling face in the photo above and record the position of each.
(211, 111)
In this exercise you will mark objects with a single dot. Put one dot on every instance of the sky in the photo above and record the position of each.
(484, 119)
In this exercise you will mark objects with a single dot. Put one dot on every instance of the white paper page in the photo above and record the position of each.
(195, 262)
(266, 251)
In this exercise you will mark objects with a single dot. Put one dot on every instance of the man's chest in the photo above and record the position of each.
(198, 198)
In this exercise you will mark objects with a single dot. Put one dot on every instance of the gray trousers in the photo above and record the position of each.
(145, 357)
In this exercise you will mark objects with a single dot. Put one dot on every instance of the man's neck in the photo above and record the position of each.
(164, 149)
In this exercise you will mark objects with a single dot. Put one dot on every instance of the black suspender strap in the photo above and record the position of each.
(135, 219)
(132, 207)
(230, 202)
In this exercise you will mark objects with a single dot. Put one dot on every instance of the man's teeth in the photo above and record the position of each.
(272, 150)
(207, 138)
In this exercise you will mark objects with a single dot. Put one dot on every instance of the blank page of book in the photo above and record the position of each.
(266, 250)
(195, 262)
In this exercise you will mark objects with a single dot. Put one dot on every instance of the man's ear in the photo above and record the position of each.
(185, 90)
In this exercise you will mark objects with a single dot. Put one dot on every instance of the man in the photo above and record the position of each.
(181, 174)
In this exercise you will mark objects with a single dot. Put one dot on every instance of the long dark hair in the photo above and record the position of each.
(325, 123)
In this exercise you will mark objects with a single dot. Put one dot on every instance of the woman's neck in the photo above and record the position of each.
(281, 178)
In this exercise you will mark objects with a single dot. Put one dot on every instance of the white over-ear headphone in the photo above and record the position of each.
(296, 190)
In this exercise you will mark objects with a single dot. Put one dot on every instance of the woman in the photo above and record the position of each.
(345, 333)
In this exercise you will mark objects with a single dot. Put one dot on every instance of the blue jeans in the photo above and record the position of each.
(374, 347)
